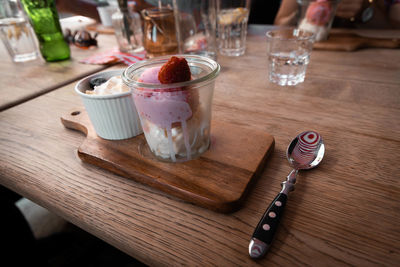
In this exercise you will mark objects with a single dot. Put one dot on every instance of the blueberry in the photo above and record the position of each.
(96, 82)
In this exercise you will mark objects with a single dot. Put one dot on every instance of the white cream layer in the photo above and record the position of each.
(114, 85)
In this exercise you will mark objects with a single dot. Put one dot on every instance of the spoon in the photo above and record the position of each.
(304, 152)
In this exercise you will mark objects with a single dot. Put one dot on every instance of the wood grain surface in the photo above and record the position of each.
(23, 81)
(345, 212)
(218, 180)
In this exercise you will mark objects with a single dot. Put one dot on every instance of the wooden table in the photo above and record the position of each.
(345, 212)
(23, 81)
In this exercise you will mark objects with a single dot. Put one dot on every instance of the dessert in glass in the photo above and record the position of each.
(173, 96)
(316, 16)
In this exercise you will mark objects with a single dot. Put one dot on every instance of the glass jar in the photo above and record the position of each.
(176, 118)
(316, 16)
(128, 30)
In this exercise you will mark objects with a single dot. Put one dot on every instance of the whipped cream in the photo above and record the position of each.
(158, 138)
(114, 85)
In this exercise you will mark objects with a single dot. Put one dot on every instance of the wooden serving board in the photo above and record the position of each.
(351, 42)
(218, 180)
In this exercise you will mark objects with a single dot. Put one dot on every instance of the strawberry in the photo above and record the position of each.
(174, 71)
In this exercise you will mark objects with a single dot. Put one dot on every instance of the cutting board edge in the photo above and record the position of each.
(223, 206)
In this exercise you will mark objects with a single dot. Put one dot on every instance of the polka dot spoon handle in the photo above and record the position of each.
(304, 152)
(266, 228)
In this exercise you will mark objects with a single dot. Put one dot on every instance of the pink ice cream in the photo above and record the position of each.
(168, 118)
(164, 107)
(150, 75)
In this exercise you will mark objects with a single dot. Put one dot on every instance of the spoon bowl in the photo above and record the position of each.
(306, 150)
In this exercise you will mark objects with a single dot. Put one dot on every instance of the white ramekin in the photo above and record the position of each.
(114, 117)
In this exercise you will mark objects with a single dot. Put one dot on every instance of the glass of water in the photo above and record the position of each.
(288, 53)
(16, 32)
(232, 18)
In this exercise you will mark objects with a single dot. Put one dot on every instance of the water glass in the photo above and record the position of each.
(232, 18)
(16, 32)
(196, 27)
(128, 30)
(288, 53)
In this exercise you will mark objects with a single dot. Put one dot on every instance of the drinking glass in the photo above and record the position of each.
(128, 29)
(232, 18)
(16, 32)
(159, 32)
(317, 16)
(288, 53)
(196, 27)
(175, 117)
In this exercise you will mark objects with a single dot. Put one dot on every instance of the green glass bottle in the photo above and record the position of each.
(44, 18)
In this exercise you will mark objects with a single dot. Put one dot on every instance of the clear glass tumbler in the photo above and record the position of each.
(175, 117)
(159, 32)
(232, 18)
(288, 53)
(317, 16)
(16, 32)
(196, 27)
(128, 30)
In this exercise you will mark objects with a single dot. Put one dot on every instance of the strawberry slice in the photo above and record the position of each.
(174, 71)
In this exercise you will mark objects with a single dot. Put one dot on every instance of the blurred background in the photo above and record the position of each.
(262, 11)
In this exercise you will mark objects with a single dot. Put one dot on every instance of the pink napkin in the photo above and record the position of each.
(114, 55)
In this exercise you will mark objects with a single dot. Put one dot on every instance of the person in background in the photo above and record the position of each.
(263, 12)
(351, 13)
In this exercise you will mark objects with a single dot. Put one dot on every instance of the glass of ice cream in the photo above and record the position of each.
(175, 117)
(316, 16)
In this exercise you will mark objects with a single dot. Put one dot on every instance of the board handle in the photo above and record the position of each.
(77, 119)
(382, 42)
(266, 228)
